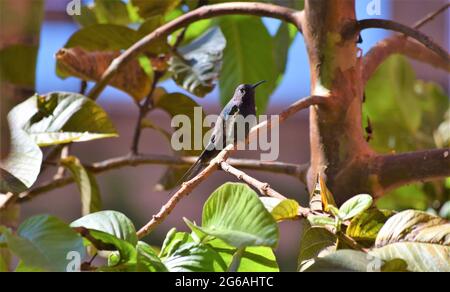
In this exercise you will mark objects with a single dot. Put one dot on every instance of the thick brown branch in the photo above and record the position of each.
(188, 186)
(400, 45)
(408, 31)
(257, 9)
(395, 170)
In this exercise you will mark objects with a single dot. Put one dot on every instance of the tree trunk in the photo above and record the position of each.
(339, 151)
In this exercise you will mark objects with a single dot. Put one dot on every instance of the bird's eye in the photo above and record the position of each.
(242, 90)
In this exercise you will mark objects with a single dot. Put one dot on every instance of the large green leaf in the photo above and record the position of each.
(355, 261)
(281, 209)
(406, 197)
(315, 241)
(103, 37)
(365, 226)
(355, 206)
(420, 257)
(112, 11)
(43, 242)
(254, 259)
(87, 184)
(235, 214)
(18, 64)
(110, 222)
(147, 259)
(155, 7)
(248, 58)
(194, 257)
(21, 167)
(62, 117)
(414, 226)
(404, 112)
(282, 42)
(199, 63)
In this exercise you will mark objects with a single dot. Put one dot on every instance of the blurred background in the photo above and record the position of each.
(131, 190)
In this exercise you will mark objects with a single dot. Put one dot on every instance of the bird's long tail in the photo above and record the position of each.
(197, 166)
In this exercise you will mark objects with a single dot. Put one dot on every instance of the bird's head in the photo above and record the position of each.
(246, 90)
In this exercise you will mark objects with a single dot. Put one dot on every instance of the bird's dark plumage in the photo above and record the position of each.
(243, 104)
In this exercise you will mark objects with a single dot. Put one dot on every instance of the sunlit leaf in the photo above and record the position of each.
(281, 209)
(235, 214)
(43, 242)
(197, 67)
(355, 206)
(365, 226)
(155, 7)
(87, 184)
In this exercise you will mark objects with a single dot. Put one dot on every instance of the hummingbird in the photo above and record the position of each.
(243, 104)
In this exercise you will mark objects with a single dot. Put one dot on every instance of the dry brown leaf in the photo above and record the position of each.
(90, 66)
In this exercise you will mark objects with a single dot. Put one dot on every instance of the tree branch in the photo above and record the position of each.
(204, 12)
(296, 170)
(394, 170)
(408, 31)
(400, 45)
(431, 16)
(188, 186)
(263, 188)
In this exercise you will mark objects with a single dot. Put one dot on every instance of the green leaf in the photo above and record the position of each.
(173, 241)
(61, 117)
(21, 167)
(87, 16)
(159, 45)
(414, 226)
(281, 209)
(355, 206)
(420, 257)
(155, 7)
(442, 134)
(254, 259)
(248, 58)
(235, 214)
(318, 220)
(111, 11)
(147, 260)
(365, 226)
(18, 64)
(44, 242)
(294, 4)
(104, 241)
(103, 37)
(315, 241)
(403, 111)
(111, 222)
(3, 265)
(199, 63)
(180, 253)
(445, 211)
(345, 261)
(406, 197)
(90, 194)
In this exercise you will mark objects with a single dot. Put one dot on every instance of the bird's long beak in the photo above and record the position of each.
(258, 83)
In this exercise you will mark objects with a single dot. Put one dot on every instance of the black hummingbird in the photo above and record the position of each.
(242, 104)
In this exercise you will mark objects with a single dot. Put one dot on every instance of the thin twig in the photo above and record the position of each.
(431, 16)
(190, 185)
(257, 9)
(263, 188)
(295, 170)
(410, 32)
(144, 109)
